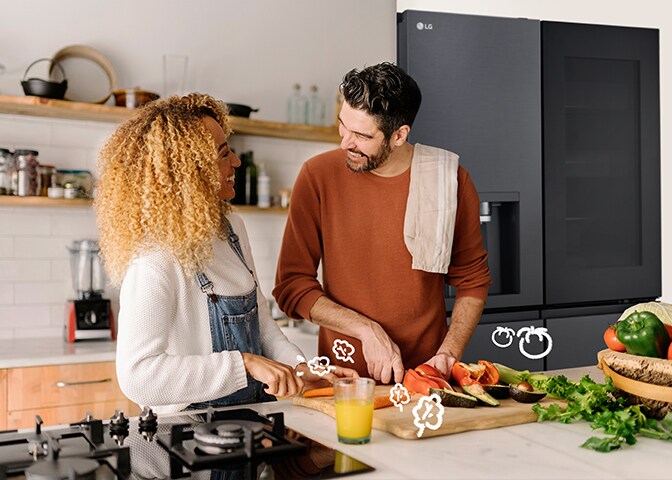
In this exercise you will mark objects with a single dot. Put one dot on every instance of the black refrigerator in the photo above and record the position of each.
(558, 125)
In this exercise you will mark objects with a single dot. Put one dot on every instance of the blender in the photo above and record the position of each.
(89, 316)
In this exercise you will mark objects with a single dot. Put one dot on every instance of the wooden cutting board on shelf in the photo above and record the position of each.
(455, 420)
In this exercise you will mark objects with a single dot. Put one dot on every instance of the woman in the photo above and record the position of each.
(194, 327)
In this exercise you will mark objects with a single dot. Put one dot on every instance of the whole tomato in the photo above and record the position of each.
(612, 342)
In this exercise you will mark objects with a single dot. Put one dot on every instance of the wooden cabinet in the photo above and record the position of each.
(62, 394)
(3, 399)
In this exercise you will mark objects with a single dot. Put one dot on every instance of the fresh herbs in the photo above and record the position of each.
(595, 403)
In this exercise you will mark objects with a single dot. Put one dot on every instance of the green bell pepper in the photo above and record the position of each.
(644, 334)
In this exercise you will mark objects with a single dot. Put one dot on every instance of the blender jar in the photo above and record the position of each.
(88, 276)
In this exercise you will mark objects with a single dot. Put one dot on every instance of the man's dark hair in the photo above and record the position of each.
(385, 92)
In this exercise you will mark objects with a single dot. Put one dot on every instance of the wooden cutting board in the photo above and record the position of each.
(455, 420)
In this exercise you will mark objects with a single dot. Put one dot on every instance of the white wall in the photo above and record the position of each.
(642, 13)
(247, 52)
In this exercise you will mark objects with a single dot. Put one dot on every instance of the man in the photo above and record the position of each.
(363, 212)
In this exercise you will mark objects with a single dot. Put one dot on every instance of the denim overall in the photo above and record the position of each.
(234, 325)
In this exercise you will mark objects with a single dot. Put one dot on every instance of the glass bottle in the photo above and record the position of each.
(6, 170)
(26, 172)
(315, 107)
(250, 180)
(240, 182)
(263, 188)
(297, 106)
(46, 176)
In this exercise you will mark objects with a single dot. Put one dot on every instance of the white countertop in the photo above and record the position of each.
(32, 352)
(547, 450)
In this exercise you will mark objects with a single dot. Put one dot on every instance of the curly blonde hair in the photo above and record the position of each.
(159, 184)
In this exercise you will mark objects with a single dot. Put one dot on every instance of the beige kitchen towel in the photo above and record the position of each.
(429, 223)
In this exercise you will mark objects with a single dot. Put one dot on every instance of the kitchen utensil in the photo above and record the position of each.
(87, 53)
(455, 420)
(133, 97)
(238, 110)
(45, 88)
(89, 316)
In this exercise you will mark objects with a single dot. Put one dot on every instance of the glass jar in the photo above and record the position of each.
(26, 172)
(6, 170)
(46, 175)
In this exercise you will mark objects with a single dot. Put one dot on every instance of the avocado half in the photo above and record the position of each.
(477, 390)
(451, 398)
(525, 396)
(500, 392)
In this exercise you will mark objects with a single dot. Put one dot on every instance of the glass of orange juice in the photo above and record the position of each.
(354, 409)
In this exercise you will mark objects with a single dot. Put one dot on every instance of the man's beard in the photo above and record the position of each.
(373, 161)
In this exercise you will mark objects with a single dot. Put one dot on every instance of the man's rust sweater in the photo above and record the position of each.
(353, 223)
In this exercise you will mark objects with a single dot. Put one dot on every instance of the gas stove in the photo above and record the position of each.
(228, 443)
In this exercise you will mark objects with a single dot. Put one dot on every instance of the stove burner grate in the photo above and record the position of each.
(226, 436)
(218, 442)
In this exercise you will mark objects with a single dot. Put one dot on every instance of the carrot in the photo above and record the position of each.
(382, 401)
(319, 392)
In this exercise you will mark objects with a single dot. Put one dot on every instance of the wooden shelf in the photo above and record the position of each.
(253, 209)
(13, 201)
(45, 107)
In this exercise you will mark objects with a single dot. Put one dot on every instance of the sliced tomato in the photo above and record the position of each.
(491, 374)
(669, 352)
(612, 342)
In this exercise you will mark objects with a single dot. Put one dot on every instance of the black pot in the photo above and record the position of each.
(44, 88)
(238, 110)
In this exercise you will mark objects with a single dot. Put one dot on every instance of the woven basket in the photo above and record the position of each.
(644, 380)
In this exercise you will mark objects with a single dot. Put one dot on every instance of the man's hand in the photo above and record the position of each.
(443, 362)
(382, 355)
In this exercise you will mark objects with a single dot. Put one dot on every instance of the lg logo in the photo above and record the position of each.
(423, 26)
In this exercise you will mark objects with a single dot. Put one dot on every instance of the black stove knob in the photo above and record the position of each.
(119, 427)
(147, 424)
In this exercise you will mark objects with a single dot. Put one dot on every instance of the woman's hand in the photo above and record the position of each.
(315, 381)
(281, 380)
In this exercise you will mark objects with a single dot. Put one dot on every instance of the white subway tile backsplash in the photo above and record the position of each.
(23, 221)
(81, 134)
(63, 158)
(6, 293)
(79, 222)
(6, 245)
(24, 270)
(38, 293)
(41, 332)
(40, 247)
(60, 269)
(24, 316)
(24, 132)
